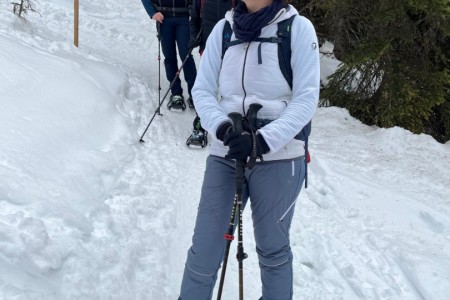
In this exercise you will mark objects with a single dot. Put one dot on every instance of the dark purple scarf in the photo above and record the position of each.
(247, 26)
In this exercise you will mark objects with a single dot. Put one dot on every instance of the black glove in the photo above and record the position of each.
(223, 130)
(193, 41)
(241, 146)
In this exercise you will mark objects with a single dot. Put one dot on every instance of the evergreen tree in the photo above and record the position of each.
(395, 56)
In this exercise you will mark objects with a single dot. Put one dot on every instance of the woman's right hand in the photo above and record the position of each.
(158, 17)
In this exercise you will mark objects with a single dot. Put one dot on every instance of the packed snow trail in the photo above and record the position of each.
(372, 225)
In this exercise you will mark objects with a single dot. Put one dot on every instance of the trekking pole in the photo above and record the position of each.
(236, 118)
(229, 237)
(251, 116)
(168, 90)
(158, 34)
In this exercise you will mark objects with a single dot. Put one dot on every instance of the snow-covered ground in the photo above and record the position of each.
(88, 212)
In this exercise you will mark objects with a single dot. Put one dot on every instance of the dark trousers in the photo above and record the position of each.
(175, 32)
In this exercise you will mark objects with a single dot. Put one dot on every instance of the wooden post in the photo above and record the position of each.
(75, 28)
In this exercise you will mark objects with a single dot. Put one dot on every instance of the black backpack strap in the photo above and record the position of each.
(274, 39)
(226, 37)
(284, 59)
(226, 40)
(284, 48)
(283, 40)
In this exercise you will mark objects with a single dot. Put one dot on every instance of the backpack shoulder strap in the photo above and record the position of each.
(226, 37)
(284, 59)
(284, 48)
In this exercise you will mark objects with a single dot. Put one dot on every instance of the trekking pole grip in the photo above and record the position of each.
(236, 119)
(252, 114)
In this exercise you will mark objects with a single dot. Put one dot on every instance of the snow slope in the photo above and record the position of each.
(88, 212)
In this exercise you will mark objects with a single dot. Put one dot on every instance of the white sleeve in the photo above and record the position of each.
(205, 89)
(305, 63)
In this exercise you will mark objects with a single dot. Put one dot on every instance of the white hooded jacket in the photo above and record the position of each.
(238, 81)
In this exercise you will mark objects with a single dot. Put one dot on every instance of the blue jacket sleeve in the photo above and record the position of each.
(149, 7)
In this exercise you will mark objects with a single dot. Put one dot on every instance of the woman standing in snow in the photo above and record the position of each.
(250, 73)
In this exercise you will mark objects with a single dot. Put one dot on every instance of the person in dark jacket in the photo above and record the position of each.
(173, 18)
(204, 16)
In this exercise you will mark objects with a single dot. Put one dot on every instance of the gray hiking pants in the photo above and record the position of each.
(273, 188)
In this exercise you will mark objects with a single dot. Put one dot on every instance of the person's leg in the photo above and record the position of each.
(213, 218)
(274, 188)
(182, 37)
(168, 46)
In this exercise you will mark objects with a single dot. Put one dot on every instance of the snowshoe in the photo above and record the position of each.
(190, 102)
(198, 138)
(176, 102)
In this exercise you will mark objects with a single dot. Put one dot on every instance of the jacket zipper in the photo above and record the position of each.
(243, 75)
